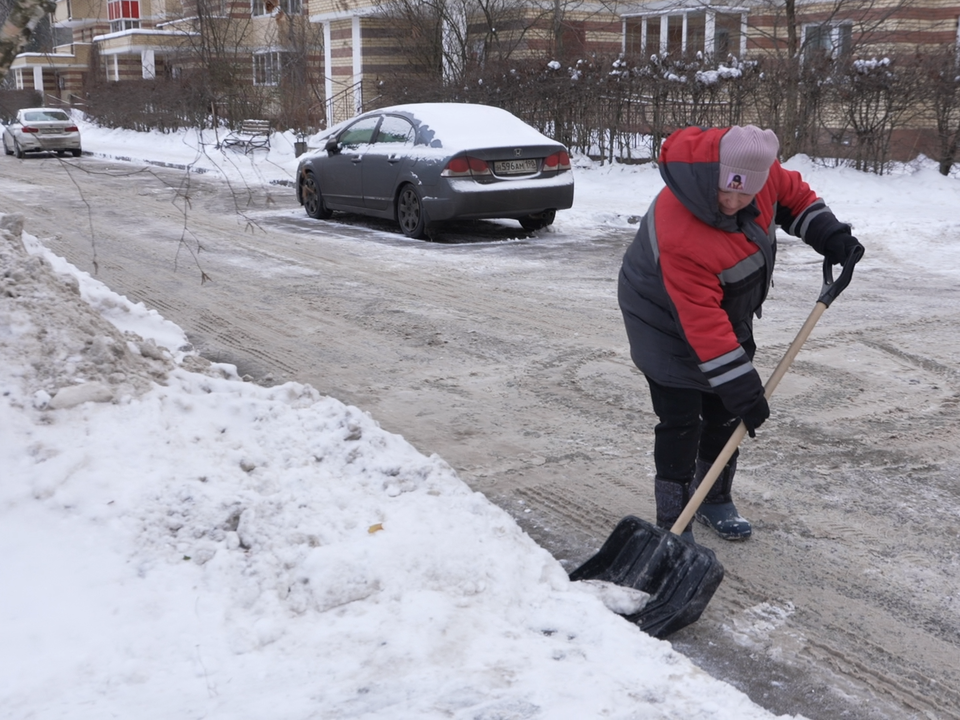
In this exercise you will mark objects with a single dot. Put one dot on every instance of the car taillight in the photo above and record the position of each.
(558, 161)
(466, 166)
(28, 129)
(72, 128)
(458, 167)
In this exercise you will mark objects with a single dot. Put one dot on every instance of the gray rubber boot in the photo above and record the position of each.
(718, 511)
(672, 497)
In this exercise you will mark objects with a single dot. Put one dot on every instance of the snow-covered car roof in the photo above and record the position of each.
(459, 126)
(465, 125)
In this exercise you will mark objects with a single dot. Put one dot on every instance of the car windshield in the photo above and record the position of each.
(42, 115)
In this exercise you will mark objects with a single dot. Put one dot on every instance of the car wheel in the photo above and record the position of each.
(312, 199)
(6, 150)
(539, 221)
(410, 212)
(17, 150)
(77, 152)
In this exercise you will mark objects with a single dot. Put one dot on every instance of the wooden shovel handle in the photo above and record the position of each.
(724, 457)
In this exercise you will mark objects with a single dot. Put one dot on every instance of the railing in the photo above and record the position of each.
(54, 101)
(345, 104)
(73, 101)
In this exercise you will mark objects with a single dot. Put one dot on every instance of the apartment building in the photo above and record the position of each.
(121, 40)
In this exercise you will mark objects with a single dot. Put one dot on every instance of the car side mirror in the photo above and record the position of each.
(332, 146)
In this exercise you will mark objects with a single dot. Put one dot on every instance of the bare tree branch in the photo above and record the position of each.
(18, 28)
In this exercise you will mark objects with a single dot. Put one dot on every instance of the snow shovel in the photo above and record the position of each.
(679, 576)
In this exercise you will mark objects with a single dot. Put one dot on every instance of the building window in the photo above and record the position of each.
(698, 31)
(829, 41)
(728, 34)
(123, 14)
(269, 67)
(632, 36)
(268, 7)
(693, 33)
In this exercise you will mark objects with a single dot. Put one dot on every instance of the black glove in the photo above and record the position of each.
(838, 247)
(755, 415)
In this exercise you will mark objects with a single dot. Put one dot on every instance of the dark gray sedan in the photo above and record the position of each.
(423, 164)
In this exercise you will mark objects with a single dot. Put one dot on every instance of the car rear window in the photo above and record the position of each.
(46, 115)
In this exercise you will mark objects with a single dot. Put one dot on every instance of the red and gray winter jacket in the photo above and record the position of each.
(693, 278)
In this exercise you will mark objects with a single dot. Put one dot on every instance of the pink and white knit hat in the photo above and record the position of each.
(746, 155)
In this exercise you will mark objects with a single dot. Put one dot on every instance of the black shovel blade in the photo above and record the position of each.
(680, 577)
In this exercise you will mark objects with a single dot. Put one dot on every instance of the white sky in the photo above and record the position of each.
(214, 549)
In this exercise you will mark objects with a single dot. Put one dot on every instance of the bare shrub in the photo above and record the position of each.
(299, 96)
(164, 105)
(606, 107)
(868, 100)
(13, 100)
(939, 84)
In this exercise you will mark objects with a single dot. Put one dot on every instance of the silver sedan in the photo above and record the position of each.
(41, 130)
(423, 164)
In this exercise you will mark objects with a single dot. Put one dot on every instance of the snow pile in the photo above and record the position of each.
(67, 353)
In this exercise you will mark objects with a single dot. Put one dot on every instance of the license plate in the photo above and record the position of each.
(50, 131)
(515, 167)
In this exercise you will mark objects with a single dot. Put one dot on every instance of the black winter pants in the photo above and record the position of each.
(693, 424)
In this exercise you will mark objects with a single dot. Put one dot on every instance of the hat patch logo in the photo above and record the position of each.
(734, 181)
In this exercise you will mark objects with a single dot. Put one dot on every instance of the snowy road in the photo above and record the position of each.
(506, 356)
